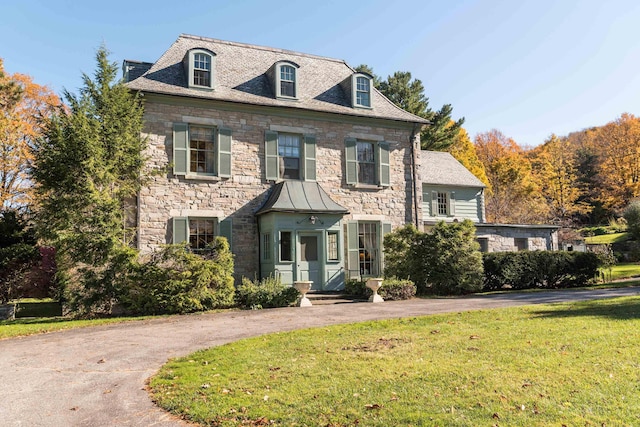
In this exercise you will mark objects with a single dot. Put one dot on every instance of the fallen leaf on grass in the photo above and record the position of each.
(474, 337)
(373, 406)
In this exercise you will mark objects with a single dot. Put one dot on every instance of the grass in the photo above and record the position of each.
(622, 271)
(567, 364)
(36, 316)
(607, 238)
(39, 325)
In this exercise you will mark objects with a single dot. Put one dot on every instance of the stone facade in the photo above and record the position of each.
(506, 238)
(166, 195)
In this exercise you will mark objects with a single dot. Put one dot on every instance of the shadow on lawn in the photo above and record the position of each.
(619, 310)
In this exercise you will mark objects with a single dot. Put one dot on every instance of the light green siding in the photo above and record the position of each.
(464, 203)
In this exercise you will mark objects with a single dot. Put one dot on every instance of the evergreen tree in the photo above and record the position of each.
(409, 95)
(86, 167)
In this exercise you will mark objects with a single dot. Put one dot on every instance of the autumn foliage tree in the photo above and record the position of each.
(555, 170)
(465, 152)
(618, 144)
(514, 197)
(23, 105)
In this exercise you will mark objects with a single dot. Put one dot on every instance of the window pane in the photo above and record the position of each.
(289, 154)
(285, 246)
(332, 246)
(287, 81)
(201, 233)
(308, 248)
(202, 152)
(368, 250)
(442, 204)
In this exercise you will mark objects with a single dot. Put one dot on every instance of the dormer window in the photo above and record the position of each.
(284, 77)
(201, 70)
(287, 81)
(363, 91)
(199, 66)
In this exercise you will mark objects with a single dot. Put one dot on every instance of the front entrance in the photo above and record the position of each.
(309, 259)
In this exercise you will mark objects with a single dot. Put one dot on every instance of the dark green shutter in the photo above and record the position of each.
(226, 231)
(271, 155)
(309, 158)
(353, 248)
(180, 230)
(180, 148)
(383, 164)
(351, 160)
(386, 229)
(224, 152)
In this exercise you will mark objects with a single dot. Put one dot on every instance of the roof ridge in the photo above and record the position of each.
(265, 48)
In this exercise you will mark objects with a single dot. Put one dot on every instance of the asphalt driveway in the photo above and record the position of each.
(96, 376)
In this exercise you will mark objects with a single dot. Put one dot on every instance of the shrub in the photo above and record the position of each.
(539, 269)
(266, 293)
(174, 280)
(392, 289)
(632, 216)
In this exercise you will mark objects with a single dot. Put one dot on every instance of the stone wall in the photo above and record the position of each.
(166, 196)
(501, 238)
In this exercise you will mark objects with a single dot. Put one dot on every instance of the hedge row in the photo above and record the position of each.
(539, 269)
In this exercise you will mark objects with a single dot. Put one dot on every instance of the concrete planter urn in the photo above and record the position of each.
(303, 286)
(374, 284)
(7, 312)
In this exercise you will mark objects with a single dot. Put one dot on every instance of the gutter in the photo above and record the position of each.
(414, 186)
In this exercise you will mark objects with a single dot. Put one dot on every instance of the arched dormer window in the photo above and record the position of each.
(199, 66)
(285, 79)
(361, 90)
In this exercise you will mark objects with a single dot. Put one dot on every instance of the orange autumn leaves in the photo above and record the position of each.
(587, 176)
(23, 104)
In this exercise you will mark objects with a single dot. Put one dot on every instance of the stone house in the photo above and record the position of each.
(297, 159)
(450, 192)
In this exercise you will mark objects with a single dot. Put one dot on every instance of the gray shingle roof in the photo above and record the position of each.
(441, 168)
(240, 76)
(300, 197)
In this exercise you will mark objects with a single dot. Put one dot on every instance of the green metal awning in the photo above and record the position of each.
(300, 197)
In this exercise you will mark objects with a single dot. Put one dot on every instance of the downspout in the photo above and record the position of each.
(414, 186)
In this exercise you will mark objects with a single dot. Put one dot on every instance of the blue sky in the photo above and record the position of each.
(526, 68)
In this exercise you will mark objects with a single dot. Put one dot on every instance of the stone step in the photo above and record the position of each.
(325, 298)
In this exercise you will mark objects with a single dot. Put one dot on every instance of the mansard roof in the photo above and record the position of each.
(240, 76)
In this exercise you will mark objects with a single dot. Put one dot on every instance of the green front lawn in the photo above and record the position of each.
(568, 364)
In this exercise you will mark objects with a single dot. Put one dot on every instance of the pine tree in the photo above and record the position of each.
(86, 167)
(409, 95)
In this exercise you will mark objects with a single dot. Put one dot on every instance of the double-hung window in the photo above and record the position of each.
(363, 91)
(287, 81)
(201, 150)
(202, 69)
(367, 162)
(199, 66)
(200, 232)
(290, 156)
(442, 203)
(284, 77)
